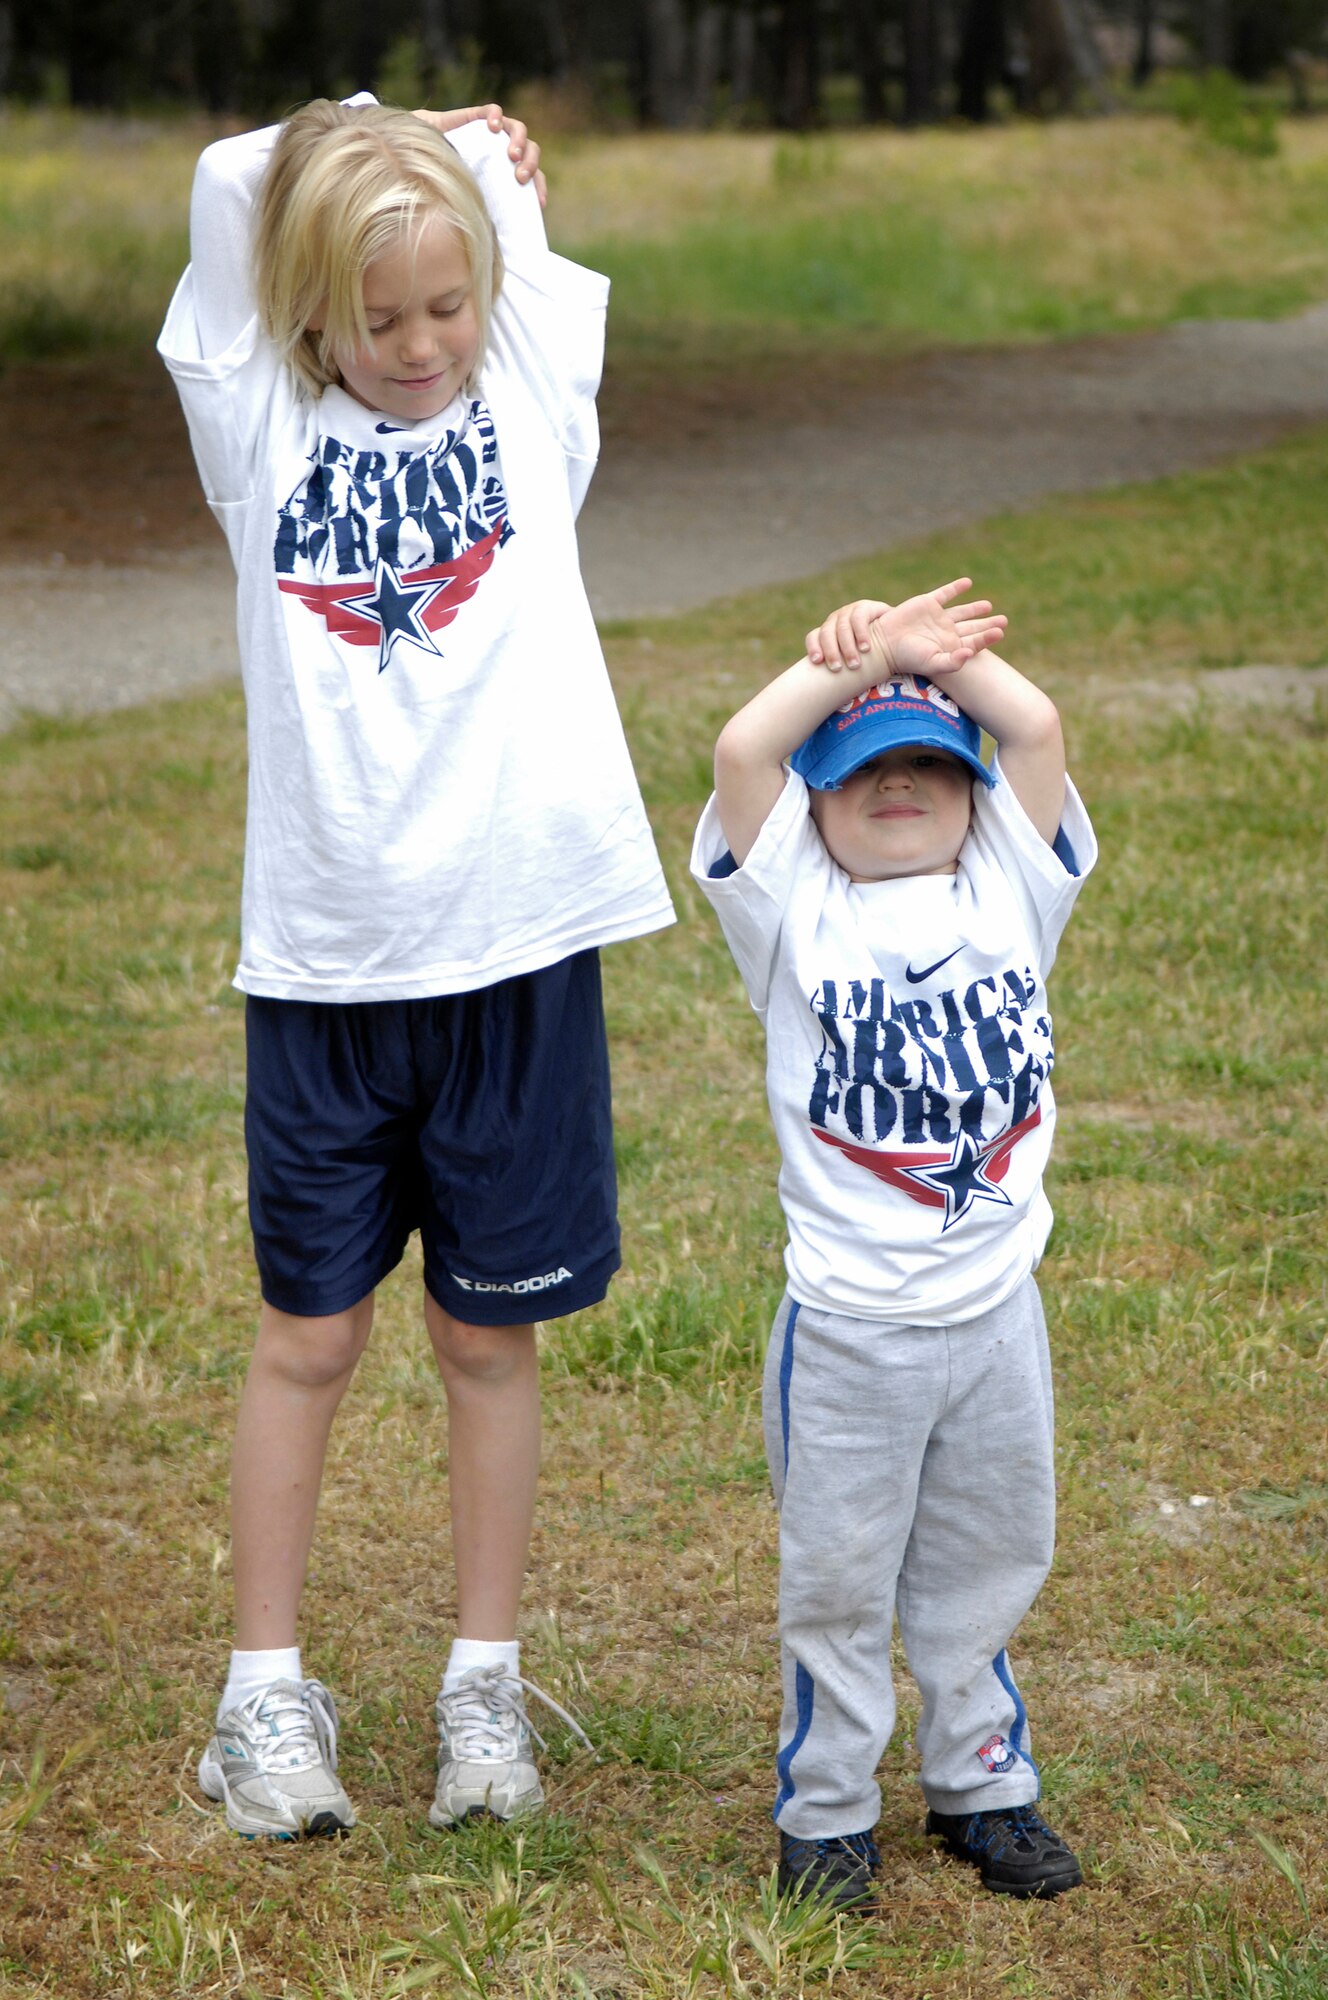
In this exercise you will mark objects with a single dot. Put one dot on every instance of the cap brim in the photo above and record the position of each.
(857, 745)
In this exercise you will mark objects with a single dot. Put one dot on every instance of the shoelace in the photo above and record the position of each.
(294, 1726)
(1017, 1826)
(484, 1715)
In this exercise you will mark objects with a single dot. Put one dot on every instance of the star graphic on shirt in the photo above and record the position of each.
(398, 608)
(961, 1180)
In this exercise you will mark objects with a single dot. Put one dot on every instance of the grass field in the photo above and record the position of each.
(729, 250)
(1175, 1663)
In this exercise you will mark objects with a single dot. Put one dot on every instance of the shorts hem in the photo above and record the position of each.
(521, 1308)
(307, 1302)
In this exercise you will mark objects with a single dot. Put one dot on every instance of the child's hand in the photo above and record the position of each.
(845, 636)
(521, 148)
(925, 635)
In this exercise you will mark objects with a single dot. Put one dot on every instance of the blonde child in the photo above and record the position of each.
(894, 905)
(389, 381)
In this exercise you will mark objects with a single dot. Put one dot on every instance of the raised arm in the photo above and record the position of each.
(547, 328)
(919, 636)
(226, 184)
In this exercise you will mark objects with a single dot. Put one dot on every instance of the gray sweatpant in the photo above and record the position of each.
(913, 1471)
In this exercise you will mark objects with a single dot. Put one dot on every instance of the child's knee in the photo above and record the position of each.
(313, 1353)
(478, 1353)
(836, 1578)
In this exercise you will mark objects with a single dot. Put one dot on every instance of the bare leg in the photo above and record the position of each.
(296, 1379)
(491, 1375)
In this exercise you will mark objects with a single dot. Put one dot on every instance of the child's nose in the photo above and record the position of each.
(417, 339)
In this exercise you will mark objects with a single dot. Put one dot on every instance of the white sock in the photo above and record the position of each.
(251, 1672)
(468, 1653)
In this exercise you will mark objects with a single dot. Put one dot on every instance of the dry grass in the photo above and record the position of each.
(1173, 1665)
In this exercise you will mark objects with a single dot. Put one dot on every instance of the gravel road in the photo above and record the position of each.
(947, 438)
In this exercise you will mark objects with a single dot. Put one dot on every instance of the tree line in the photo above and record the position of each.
(663, 62)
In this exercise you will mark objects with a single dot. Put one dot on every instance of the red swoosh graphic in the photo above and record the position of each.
(333, 602)
(890, 1167)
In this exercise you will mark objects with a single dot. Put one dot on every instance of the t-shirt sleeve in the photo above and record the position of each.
(1045, 878)
(222, 365)
(548, 319)
(752, 901)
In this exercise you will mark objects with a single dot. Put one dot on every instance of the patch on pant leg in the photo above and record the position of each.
(997, 1755)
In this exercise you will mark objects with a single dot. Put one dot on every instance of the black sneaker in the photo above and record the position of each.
(839, 1869)
(1013, 1846)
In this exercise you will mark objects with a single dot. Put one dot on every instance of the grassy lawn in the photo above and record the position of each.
(732, 250)
(1174, 1665)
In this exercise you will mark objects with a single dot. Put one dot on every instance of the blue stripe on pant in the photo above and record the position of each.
(806, 1702)
(1000, 1666)
(785, 1381)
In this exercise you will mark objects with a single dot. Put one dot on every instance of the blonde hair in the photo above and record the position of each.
(345, 186)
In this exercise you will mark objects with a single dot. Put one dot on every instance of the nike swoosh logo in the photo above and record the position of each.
(916, 978)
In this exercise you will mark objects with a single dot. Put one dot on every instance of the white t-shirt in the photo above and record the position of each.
(908, 1053)
(440, 794)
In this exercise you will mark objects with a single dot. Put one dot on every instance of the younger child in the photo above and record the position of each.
(389, 381)
(894, 906)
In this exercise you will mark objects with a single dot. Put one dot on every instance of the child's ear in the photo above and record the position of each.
(317, 320)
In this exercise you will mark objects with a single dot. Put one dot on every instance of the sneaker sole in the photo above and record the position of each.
(443, 1825)
(1043, 1891)
(1030, 1892)
(323, 1826)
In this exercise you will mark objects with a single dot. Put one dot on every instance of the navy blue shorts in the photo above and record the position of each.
(481, 1119)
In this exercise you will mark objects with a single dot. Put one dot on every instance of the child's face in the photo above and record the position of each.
(904, 813)
(424, 331)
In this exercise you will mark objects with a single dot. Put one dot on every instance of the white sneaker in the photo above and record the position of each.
(485, 1762)
(273, 1763)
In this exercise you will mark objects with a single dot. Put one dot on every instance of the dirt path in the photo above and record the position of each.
(117, 589)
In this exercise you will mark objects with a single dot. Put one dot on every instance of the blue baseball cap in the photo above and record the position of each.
(905, 710)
